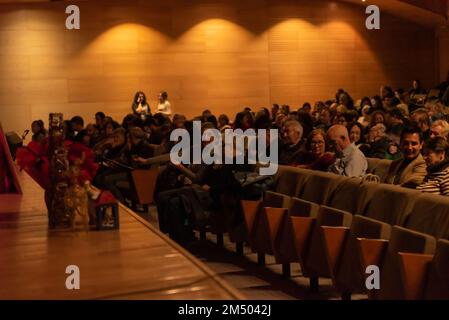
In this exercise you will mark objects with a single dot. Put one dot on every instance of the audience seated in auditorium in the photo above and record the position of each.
(143, 140)
(436, 153)
(137, 147)
(409, 171)
(200, 194)
(350, 161)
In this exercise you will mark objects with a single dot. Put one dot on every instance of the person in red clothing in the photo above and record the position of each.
(4, 179)
(34, 160)
(315, 157)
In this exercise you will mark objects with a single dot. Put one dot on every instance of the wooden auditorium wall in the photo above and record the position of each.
(216, 54)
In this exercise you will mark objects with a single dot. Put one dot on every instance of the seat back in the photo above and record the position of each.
(372, 163)
(388, 203)
(349, 275)
(430, 215)
(346, 196)
(401, 240)
(320, 185)
(315, 256)
(275, 200)
(302, 208)
(258, 239)
(290, 180)
(438, 280)
(144, 182)
(381, 169)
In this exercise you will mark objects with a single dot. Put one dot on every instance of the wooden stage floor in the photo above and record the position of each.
(135, 262)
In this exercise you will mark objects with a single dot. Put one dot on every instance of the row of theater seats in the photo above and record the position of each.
(336, 226)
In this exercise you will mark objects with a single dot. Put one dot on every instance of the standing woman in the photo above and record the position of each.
(164, 105)
(140, 106)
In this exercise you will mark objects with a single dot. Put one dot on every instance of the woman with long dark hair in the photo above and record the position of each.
(140, 106)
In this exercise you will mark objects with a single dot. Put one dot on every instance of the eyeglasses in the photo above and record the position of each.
(316, 142)
(434, 133)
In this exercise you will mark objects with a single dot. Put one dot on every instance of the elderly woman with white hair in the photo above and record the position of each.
(439, 128)
(377, 142)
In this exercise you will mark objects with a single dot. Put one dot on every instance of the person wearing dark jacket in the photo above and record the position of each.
(179, 210)
(136, 147)
(291, 146)
(378, 143)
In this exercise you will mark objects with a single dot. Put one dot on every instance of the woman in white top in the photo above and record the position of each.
(164, 105)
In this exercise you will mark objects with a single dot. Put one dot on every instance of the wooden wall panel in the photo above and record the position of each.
(219, 54)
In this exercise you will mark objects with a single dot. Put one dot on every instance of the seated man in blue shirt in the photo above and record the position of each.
(350, 161)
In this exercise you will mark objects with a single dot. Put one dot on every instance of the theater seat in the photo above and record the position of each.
(320, 185)
(386, 206)
(426, 276)
(347, 196)
(289, 231)
(256, 231)
(144, 183)
(417, 235)
(314, 253)
(290, 180)
(430, 215)
(378, 167)
(372, 163)
(438, 279)
(381, 169)
(388, 203)
(342, 255)
(401, 240)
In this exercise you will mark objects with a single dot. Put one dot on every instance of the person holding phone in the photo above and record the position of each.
(140, 106)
